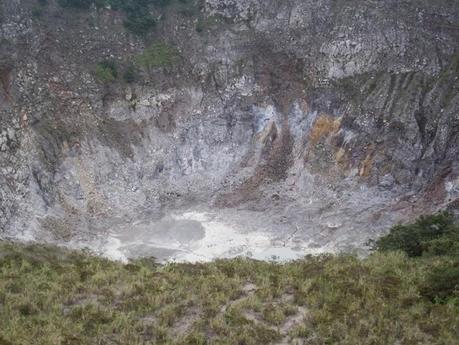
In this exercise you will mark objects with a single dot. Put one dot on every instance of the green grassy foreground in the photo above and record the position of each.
(53, 296)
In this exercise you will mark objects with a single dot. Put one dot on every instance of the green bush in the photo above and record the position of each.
(442, 283)
(106, 71)
(157, 55)
(434, 235)
(445, 245)
(138, 17)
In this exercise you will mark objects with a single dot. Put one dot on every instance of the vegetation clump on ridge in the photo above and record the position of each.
(106, 71)
(158, 54)
(54, 296)
(138, 20)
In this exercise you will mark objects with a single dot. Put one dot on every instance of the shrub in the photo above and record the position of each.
(106, 71)
(445, 245)
(442, 283)
(428, 235)
(157, 55)
(138, 18)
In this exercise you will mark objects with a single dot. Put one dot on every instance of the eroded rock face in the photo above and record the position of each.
(319, 123)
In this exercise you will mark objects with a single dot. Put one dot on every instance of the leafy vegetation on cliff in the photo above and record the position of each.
(106, 71)
(139, 19)
(158, 54)
(429, 236)
(53, 296)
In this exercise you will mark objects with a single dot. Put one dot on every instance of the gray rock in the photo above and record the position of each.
(324, 104)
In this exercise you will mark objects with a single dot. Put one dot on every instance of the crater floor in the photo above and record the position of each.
(200, 236)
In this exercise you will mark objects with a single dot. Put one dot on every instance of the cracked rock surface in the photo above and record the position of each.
(282, 128)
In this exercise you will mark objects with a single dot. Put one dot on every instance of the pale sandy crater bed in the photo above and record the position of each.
(195, 236)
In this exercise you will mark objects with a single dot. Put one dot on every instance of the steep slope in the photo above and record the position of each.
(312, 124)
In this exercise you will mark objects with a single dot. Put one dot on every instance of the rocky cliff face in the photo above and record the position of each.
(318, 123)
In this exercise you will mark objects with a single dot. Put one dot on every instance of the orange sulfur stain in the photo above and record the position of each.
(323, 127)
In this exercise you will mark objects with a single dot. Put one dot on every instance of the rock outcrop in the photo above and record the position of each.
(324, 120)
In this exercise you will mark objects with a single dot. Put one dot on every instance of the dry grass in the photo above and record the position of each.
(52, 296)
